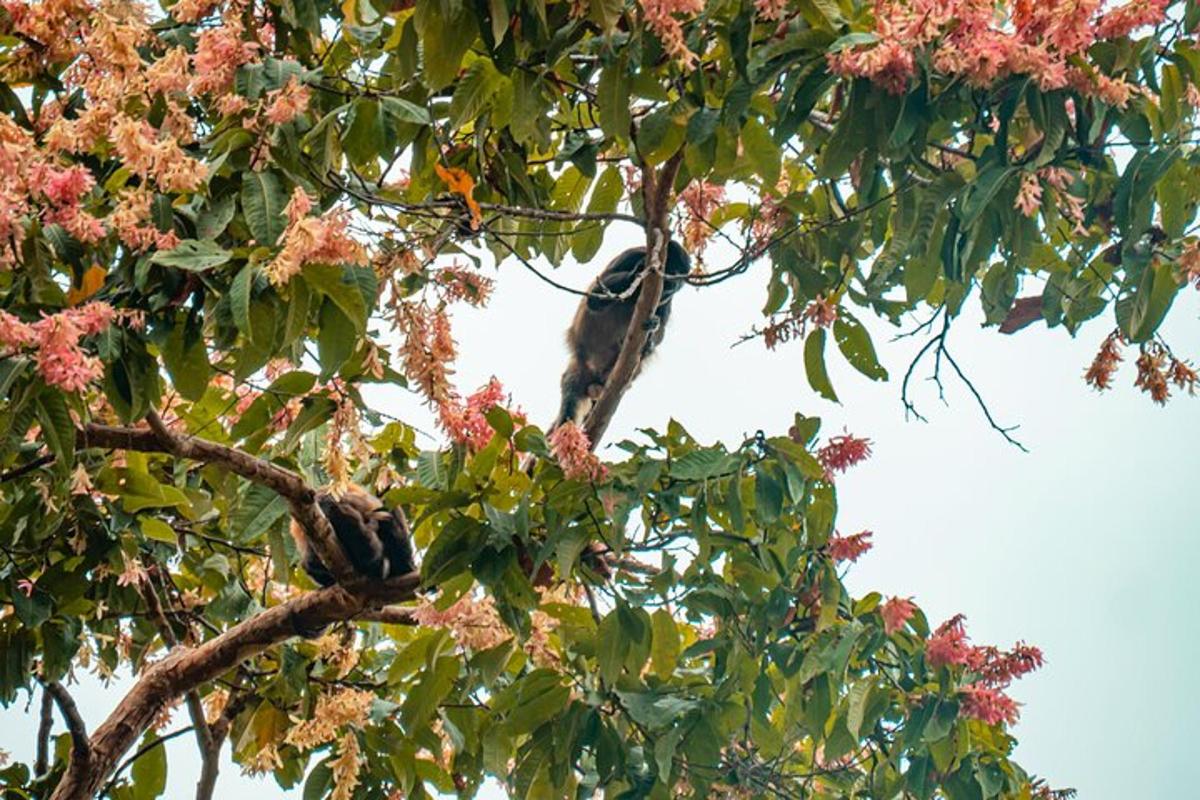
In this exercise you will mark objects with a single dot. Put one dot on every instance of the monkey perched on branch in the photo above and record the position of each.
(598, 330)
(374, 538)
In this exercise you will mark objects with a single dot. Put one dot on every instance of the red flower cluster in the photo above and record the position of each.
(467, 423)
(984, 699)
(997, 668)
(948, 645)
(896, 613)
(849, 548)
(843, 452)
(987, 705)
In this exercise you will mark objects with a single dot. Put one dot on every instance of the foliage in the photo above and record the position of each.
(219, 211)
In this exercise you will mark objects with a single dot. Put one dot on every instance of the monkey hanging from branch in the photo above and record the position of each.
(374, 538)
(598, 330)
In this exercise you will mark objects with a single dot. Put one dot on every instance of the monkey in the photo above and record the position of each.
(374, 539)
(600, 324)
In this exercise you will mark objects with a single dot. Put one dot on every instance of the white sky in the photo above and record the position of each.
(1085, 547)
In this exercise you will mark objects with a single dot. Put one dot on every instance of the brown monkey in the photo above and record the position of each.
(598, 330)
(374, 538)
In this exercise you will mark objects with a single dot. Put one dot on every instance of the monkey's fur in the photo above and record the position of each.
(598, 330)
(374, 538)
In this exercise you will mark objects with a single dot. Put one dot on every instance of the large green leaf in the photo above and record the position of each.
(263, 200)
(193, 255)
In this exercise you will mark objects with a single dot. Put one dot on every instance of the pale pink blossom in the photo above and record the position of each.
(571, 448)
(1029, 195)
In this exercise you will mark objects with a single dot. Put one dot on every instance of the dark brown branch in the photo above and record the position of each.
(656, 190)
(81, 751)
(185, 669)
(41, 761)
(25, 469)
(300, 496)
(391, 615)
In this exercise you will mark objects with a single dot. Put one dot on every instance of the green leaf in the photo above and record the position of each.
(444, 39)
(702, 464)
(814, 365)
(664, 652)
(335, 340)
(263, 201)
(612, 101)
(149, 771)
(855, 344)
(606, 195)
(428, 692)
(453, 550)
(57, 427)
(156, 529)
(261, 507)
(186, 360)
(192, 255)
(402, 110)
(985, 186)
(1153, 299)
(762, 152)
(340, 285)
(473, 94)
(239, 298)
(612, 647)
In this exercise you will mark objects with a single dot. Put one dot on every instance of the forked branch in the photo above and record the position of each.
(184, 669)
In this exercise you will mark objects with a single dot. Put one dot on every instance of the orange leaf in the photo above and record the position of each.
(461, 183)
(93, 279)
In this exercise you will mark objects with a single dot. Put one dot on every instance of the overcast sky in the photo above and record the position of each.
(1086, 546)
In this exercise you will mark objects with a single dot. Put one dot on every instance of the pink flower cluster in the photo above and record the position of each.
(843, 452)
(981, 43)
(55, 339)
(987, 704)
(849, 548)
(466, 422)
(571, 448)
(896, 613)
(312, 240)
(660, 16)
(983, 699)
(699, 200)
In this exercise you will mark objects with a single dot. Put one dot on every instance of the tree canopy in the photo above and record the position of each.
(223, 219)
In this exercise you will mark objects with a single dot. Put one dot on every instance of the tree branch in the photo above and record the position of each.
(656, 190)
(300, 496)
(41, 761)
(185, 669)
(81, 751)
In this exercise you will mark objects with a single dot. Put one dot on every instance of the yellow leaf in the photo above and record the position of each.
(462, 184)
(93, 279)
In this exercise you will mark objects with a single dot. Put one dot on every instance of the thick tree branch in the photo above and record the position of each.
(301, 497)
(185, 669)
(656, 191)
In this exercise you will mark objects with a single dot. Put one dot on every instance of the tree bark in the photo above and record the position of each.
(301, 497)
(94, 759)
